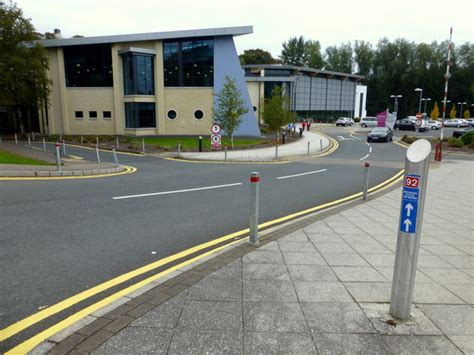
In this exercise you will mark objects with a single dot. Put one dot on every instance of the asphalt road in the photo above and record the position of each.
(58, 238)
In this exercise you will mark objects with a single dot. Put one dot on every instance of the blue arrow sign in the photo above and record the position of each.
(410, 197)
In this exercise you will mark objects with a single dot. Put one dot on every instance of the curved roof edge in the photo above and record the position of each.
(151, 36)
(311, 70)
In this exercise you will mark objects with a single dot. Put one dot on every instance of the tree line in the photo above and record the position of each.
(389, 67)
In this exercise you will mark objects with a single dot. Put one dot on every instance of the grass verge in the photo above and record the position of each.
(10, 158)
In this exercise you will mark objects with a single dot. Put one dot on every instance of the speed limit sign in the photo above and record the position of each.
(215, 128)
(216, 138)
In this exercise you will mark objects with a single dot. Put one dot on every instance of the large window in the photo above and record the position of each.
(140, 115)
(189, 63)
(88, 65)
(138, 74)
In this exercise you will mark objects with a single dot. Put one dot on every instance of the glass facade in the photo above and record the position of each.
(140, 115)
(88, 65)
(189, 63)
(138, 74)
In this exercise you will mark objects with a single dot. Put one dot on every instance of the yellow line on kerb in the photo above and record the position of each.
(37, 317)
(128, 170)
(31, 343)
(226, 162)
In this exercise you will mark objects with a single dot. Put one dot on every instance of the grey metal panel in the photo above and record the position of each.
(137, 50)
(273, 78)
(152, 36)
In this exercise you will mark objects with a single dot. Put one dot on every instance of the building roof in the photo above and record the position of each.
(304, 69)
(152, 36)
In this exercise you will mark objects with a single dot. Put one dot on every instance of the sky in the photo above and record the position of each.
(274, 22)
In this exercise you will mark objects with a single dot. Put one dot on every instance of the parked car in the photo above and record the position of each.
(368, 122)
(408, 124)
(432, 124)
(344, 121)
(380, 134)
(459, 132)
(470, 122)
(456, 122)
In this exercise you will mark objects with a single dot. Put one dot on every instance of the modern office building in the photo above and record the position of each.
(143, 84)
(314, 93)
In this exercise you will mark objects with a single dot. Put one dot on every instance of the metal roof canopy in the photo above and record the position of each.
(152, 36)
(302, 69)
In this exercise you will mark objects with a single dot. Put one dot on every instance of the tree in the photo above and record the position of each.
(339, 58)
(230, 108)
(435, 111)
(23, 63)
(453, 112)
(257, 56)
(467, 113)
(313, 56)
(363, 57)
(294, 52)
(276, 112)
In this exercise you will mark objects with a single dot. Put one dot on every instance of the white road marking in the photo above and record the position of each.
(354, 137)
(176, 191)
(364, 157)
(370, 149)
(367, 144)
(308, 173)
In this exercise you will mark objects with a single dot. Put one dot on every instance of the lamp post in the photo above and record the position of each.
(460, 111)
(421, 93)
(424, 107)
(395, 105)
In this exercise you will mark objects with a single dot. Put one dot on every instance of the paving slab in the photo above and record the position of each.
(278, 343)
(274, 317)
(349, 344)
(423, 345)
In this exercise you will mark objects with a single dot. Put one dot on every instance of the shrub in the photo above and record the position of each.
(455, 142)
(468, 138)
(408, 139)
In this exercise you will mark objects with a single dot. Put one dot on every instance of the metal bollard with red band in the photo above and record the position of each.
(438, 154)
(58, 156)
(254, 196)
(365, 192)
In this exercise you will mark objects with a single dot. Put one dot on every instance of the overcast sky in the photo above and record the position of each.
(331, 22)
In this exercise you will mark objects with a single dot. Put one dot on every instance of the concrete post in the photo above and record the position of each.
(29, 141)
(225, 152)
(16, 139)
(97, 153)
(44, 144)
(96, 140)
(276, 152)
(254, 197)
(320, 144)
(33, 135)
(115, 157)
(179, 149)
(58, 156)
(366, 181)
(117, 145)
(411, 216)
(143, 145)
(64, 147)
(309, 148)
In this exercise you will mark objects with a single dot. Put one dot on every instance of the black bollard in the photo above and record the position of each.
(284, 136)
(200, 143)
(301, 131)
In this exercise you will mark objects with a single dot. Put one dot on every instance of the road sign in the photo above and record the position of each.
(215, 128)
(410, 197)
(216, 146)
(418, 122)
(215, 138)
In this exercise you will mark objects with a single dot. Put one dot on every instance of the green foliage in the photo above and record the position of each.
(293, 52)
(257, 56)
(453, 112)
(10, 158)
(314, 58)
(455, 142)
(230, 108)
(339, 58)
(408, 139)
(276, 111)
(435, 111)
(23, 79)
(468, 138)
(363, 57)
(466, 113)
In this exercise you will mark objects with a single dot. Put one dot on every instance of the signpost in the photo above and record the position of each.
(409, 231)
(216, 137)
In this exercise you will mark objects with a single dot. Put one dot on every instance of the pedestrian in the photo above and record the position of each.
(308, 126)
(303, 125)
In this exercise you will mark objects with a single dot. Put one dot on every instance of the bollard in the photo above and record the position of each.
(409, 232)
(16, 139)
(365, 192)
(254, 187)
(58, 156)
(200, 144)
(276, 152)
(33, 135)
(309, 147)
(96, 140)
(179, 149)
(225, 152)
(320, 144)
(143, 145)
(97, 153)
(64, 147)
(44, 145)
(283, 137)
(117, 142)
(82, 140)
(115, 156)
(438, 155)
(29, 141)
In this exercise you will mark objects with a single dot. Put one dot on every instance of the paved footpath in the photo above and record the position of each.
(321, 285)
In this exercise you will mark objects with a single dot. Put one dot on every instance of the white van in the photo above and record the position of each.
(368, 122)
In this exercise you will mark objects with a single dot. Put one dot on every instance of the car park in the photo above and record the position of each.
(380, 134)
(433, 124)
(408, 124)
(344, 121)
(368, 121)
(470, 122)
(459, 132)
(456, 122)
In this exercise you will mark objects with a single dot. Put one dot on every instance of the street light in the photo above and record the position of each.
(460, 111)
(421, 93)
(425, 100)
(395, 106)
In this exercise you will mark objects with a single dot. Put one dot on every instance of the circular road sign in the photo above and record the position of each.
(215, 138)
(418, 122)
(215, 129)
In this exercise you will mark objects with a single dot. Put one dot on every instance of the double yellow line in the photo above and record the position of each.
(128, 170)
(27, 322)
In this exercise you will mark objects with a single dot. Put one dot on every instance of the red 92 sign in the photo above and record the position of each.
(412, 181)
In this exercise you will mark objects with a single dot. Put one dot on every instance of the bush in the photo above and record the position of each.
(408, 139)
(468, 138)
(455, 142)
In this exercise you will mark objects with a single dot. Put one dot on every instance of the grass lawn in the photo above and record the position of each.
(10, 158)
(191, 143)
